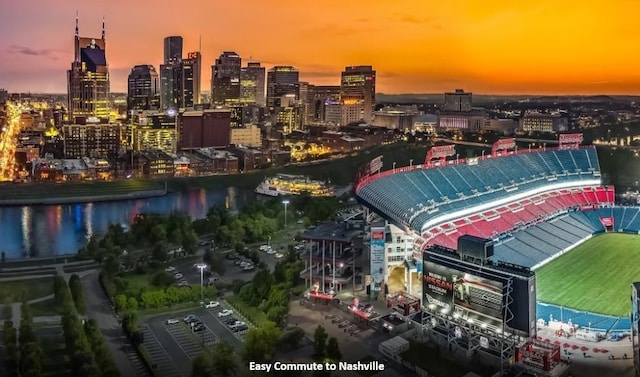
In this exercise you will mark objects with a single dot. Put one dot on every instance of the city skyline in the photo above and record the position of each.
(490, 47)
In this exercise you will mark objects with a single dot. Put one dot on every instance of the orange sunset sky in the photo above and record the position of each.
(423, 46)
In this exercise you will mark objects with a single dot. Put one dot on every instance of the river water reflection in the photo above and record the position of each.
(43, 231)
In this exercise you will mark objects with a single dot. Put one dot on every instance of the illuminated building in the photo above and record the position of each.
(358, 94)
(4, 95)
(468, 121)
(203, 129)
(225, 78)
(252, 84)
(324, 102)
(543, 123)
(155, 131)
(157, 164)
(92, 140)
(142, 89)
(282, 81)
(289, 115)
(248, 136)
(216, 161)
(457, 101)
(88, 78)
(191, 80)
(170, 72)
(397, 118)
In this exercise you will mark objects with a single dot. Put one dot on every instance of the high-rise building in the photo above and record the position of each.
(324, 104)
(457, 101)
(252, 84)
(153, 130)
(358, 94)
(142, 89)
(93, 140)
(282, 81)
(171, 73)
(173, 49)
(191, 79)
(225, 79)
(88, 78)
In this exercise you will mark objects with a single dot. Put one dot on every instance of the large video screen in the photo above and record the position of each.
(462, 294)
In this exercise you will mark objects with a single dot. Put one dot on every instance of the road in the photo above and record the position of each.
(98, 308)
(8, 138)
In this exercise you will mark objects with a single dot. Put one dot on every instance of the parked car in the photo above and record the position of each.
(232, 256)
(212, 304)
(199, 327)
(170, 269)
(248, 267)
(225, 313)
(263, 248)
(172, 321)
(279, 255)
(178, 276)
(231, 321)
(190, 318)
(240, 328)
(236, 324)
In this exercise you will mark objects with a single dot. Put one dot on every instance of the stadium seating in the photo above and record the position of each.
(582, 319)
(412, 198)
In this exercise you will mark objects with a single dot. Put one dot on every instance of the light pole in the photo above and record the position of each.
(394, 168)
(411, 163)
(201, 267)
(286, 203)
(269, 241)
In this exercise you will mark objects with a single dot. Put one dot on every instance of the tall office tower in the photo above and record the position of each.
(282, 81)
(170, 73)
(225, 79)
(358, 94)
(252, 84)
(142, 89)
(458, 101)
(191, 79)
(173, 49)
(88, 78)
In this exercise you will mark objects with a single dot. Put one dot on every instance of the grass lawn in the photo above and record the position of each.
(46, 308)
(254, 315)
(595, 276)
(16, 291)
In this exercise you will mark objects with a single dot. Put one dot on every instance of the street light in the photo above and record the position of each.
(286, 203)
(201, 267)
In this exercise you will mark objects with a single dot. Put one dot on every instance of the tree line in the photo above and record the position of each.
(24, 353)
(87, 352)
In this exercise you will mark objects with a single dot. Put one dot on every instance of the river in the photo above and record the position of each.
(45, 231)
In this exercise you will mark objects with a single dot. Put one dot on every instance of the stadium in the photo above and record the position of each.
(545, 210)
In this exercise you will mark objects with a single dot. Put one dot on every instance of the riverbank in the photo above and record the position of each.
(339, 171)
(20, 194)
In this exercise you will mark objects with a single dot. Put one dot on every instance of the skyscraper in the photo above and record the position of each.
(173, 49)
(88, 78)
(358, 94)
(225, 79)
(282, 81)
(191, 79)
(170, 73)
(252, 84)
(142, 88)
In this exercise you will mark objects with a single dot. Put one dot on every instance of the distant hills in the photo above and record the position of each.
(480, 98)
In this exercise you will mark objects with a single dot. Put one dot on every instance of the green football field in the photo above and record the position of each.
(595, 276)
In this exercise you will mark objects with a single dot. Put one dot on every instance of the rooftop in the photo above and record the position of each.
(340, 232)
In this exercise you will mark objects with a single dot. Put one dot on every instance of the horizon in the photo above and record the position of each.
(482, 48)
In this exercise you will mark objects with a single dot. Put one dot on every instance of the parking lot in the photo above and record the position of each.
(172, 347)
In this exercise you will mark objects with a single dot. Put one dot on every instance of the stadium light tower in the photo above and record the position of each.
(411, 163)
(286, 203)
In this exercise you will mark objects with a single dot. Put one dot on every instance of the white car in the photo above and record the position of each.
(170, 269)
(212, 304)
(264, 248)
(271, 251)
(172, 321)
(225, 313)
(279, 255)
(178, 276)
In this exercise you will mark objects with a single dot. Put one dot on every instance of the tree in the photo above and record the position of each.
(202, 365)
(292, 338)
(223, 360)
(320, 337)
(260, 342)
(75, 286)
(333, 350)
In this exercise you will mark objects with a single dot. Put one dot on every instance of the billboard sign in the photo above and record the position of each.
(377, 258)
(375, 164)
(606, 221)
(462, 294)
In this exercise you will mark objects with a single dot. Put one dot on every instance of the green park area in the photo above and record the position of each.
(20, 290)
